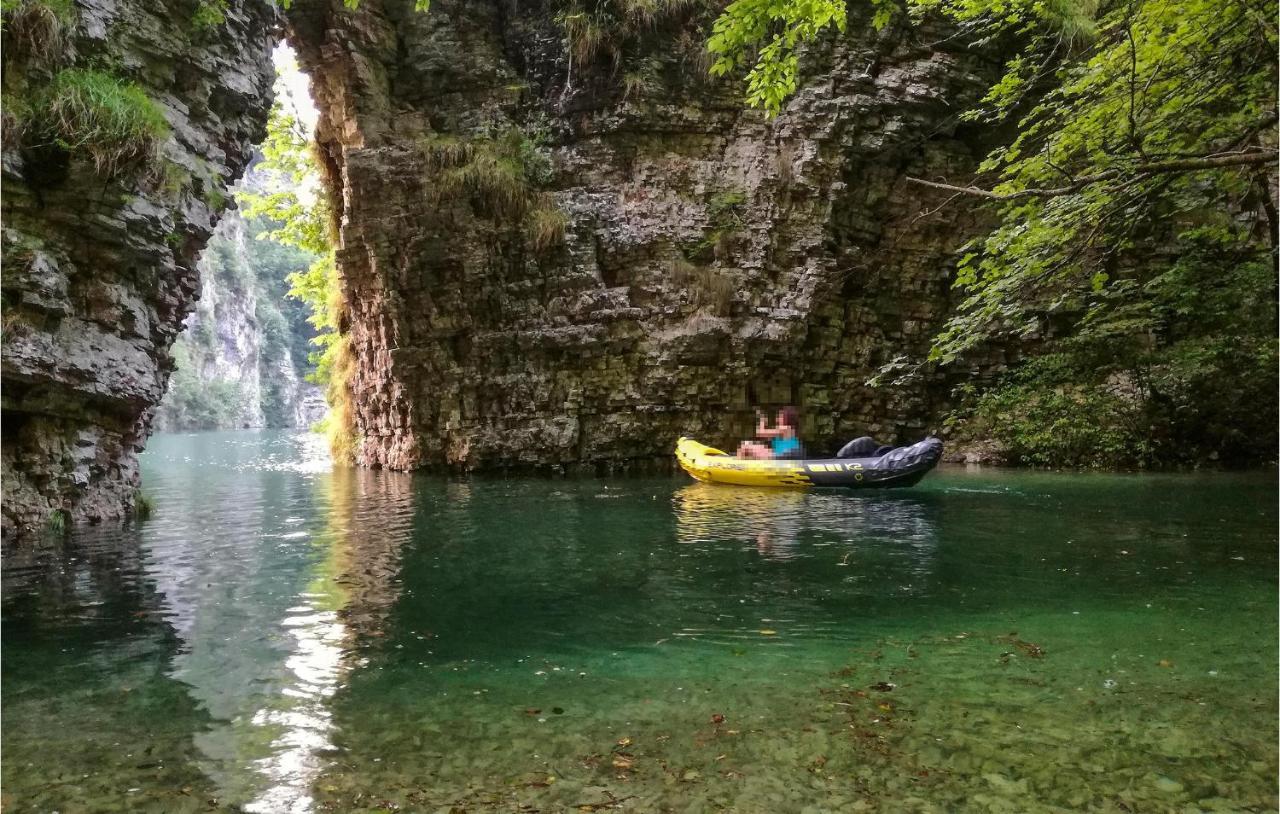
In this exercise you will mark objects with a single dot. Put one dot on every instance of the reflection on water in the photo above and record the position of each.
(283, 638)
(254, 587)
(352, 588)
(92, 721)
(783, 524)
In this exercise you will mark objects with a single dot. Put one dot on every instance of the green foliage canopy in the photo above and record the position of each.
(291, 198)
(1135, 228)
(295, 202)
(1176, 368)
(1135, 119)
(1163, 122)
(771, 31)
(299, 215)
(299, 209)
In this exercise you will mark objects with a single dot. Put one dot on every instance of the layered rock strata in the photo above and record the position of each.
(100, 270)
(710, 259)
(554, 250)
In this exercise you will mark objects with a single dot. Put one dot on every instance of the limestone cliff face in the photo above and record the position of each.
(227, 314)
(240, 362)
(99, 272)
(710, 259)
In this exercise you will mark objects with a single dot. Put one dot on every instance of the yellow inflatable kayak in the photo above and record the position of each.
(903, 466)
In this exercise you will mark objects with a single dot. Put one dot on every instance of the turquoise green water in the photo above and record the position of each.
(283, 638)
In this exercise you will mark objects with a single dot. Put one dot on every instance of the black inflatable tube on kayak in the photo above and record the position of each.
(904, 466)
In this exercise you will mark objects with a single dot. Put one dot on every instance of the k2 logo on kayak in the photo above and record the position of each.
(832, 467)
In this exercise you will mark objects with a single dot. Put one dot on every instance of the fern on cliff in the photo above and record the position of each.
(607, 28)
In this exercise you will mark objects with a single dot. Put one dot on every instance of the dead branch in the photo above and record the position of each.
(1148, 169)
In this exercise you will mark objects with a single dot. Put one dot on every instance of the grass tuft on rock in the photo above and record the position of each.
(495, 180)
(632, 39)
(499, 175)
(36, 30)
(606, 28)
(209, 14)
(644, 79)
(110, 120)
(444, 152)
(57, 524)
(545, 226)
(707, 287)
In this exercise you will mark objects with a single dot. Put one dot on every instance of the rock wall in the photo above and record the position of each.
(237, 360)
(712, 259)
(99, 272)
(692, 260)
(228, 313)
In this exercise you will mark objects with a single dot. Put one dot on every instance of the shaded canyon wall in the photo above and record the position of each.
(710, 259)
(100, 269)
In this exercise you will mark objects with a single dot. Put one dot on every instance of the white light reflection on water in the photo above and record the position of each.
(247, 576)
(296, 757)
(307, 454)
(340, 601)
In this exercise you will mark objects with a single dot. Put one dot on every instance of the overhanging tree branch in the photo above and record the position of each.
(1145, 170)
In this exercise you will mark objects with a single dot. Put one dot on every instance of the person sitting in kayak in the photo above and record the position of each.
(783, 442)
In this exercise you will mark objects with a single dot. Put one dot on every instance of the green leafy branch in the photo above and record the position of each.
(771, 31)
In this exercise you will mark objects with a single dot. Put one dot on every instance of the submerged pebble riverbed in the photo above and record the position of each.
(286, 638)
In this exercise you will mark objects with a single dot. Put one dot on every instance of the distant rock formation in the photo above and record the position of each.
(241, 361)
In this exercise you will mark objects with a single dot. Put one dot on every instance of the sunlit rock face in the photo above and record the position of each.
(711, 260)
(99, 273)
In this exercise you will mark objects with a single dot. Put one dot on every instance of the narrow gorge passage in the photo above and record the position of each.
(244, 359)
(366, 368)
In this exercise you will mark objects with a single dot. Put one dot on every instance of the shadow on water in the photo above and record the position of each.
(93, 720)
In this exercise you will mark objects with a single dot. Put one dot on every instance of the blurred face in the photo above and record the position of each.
(781, 420)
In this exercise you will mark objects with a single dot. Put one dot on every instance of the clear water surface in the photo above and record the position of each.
(286, 638)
